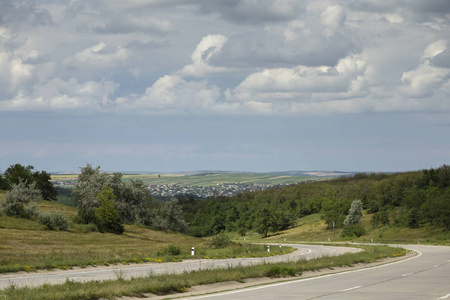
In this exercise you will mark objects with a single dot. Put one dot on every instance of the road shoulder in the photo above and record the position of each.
(251, 282)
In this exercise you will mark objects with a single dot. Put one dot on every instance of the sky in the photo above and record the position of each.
(236, 85)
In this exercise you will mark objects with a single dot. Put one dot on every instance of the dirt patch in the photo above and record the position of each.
(233, 285)
(280, 177)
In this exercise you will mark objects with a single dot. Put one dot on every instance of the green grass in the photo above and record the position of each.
(167, 284)
(312, 228)
(27, 246)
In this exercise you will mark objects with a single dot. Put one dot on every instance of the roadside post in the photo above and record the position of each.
(192, 251)
(268, 248)
(334, 230)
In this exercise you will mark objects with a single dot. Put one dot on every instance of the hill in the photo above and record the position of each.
(412, 200)
(27, 245)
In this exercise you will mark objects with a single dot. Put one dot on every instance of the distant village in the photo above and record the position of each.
(220, 189)
(171, 190)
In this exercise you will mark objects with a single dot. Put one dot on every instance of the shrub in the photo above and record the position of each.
(220, 241)
(172, 250)
(53, 221)
(21, 200)
(353, 230)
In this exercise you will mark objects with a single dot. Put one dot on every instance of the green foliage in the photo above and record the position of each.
(90, 184)
(264, 222)
(170, 217)
(131, 200)
(65, 196)
(353, 231)
(21, 199)
(42, 180)
(54, 220)
(17, 173)
(391, 199)
(380, 217)
(172, 250)
(334, 212)
(220, 241)
(275, 271)
(44, 184)
(354, 214)
(107, 216)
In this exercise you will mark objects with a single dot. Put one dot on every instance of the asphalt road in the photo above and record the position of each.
(424, 276)
(141, 270)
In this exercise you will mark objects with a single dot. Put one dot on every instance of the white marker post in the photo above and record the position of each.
(280, 245)
(268, 248)
(192, 251)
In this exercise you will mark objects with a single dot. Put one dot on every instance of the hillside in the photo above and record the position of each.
(28, 245)
(412, 200)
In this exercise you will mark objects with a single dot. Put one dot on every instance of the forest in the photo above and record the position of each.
(410, 199)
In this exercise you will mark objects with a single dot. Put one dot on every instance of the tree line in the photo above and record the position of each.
(410, 199)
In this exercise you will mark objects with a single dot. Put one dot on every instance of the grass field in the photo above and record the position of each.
(26, 245)
(206, 179)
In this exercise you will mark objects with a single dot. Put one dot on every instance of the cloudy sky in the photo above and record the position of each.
(249, 85)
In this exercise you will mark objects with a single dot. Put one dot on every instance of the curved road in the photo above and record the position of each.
(115, 272)
(424, 276)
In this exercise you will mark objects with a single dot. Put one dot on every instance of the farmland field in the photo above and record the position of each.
(205, 179)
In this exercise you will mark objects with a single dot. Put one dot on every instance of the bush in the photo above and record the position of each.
(21, 200)
(172, 250)
(220, 241)
(353, 230)
(53, 221)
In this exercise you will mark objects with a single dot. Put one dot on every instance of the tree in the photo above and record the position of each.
(354, 214)
(3, 183)
(16, 173)
(132, 199)
(106, 215)
(21, 199)
(264, 222)
(333, 211)
(44, 184)
(353, 221)
(90, 183)
(170, 217)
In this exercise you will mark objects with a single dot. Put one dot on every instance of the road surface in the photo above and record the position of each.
(142, 270)
(424, 276)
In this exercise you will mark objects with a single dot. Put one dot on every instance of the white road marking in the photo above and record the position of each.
(419, 254)
(445, 297)
(350, 289)
(407, 274)
(435, 266)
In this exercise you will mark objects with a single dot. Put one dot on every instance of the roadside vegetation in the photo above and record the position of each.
(28, 245)
(167, 284)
